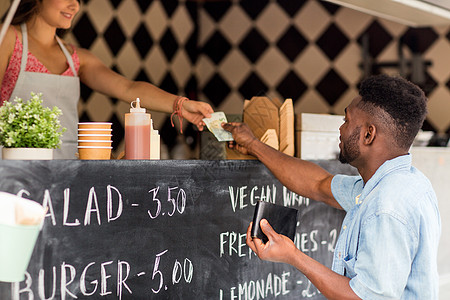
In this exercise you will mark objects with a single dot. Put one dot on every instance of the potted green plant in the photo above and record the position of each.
(29, 128)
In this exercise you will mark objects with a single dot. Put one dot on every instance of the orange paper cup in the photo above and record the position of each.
(89, 152)
(94, 131)
(95, 143)
(94, 125)
(98, 137)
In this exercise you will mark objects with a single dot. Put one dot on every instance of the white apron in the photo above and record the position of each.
(57, 90)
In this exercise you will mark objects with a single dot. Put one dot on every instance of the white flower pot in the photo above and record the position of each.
(27, 153)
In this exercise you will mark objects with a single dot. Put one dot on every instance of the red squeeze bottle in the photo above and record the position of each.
(137, 132)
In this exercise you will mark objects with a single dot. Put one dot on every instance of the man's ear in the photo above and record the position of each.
(369, 134)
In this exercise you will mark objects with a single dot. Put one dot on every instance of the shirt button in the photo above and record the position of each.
(344, 227)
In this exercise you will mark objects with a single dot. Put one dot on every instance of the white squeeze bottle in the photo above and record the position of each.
(137, 132)
(155, 144)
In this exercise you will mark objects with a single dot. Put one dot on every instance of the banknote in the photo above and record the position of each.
(214, 125)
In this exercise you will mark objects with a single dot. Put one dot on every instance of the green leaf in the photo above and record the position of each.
(29, 124)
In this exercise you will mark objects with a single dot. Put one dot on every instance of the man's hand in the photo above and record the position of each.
(279, 248)
(242, 135)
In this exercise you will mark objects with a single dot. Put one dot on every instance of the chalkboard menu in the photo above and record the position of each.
(161, 230)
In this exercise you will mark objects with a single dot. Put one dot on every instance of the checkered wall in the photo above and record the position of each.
(226, 51)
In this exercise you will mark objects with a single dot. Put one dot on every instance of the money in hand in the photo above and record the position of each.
(214, 125)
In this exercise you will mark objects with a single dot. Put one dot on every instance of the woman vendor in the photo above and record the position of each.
(34, 59)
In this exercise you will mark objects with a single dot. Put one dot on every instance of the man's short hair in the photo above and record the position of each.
(404, 102)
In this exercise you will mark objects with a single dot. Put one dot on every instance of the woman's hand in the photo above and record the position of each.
(195, 111)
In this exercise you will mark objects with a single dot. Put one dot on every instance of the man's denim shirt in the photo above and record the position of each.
(389, 237)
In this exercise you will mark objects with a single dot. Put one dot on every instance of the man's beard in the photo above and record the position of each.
(350, 150)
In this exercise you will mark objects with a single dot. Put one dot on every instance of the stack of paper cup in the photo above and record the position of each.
(94, 140)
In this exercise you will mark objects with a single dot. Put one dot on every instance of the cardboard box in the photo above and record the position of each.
(318, 122)
(317, 136)
(272, 122)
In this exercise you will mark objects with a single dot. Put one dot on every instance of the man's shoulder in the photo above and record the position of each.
(406, 195)
(405, 183)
